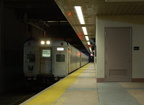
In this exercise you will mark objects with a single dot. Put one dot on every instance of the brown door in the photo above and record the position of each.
(118, 53)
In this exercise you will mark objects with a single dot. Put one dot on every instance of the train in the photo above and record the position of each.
(46, 60)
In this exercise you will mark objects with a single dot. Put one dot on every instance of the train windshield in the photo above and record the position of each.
(31, 57)
(46, 53)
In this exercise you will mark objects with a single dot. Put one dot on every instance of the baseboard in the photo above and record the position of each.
(137, 79)
(100, 79)
(132, 80)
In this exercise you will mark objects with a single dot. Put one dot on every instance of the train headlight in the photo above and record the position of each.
(48, 42)
(42, 42)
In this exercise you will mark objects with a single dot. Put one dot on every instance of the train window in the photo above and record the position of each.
(46, 53)
(60, 58)
(31, 57)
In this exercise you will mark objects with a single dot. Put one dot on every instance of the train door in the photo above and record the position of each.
(118, 53)
(46, 61)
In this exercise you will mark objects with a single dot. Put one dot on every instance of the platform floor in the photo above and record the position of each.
(81, 88)
(83, 91)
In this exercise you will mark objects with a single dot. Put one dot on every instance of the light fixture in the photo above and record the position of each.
(48, 42)
(69, 14)
(84, 30)
(87, 38)
(90, 49)
(88, 43)
(79, 14)
(60, 49)
(91, 54)
(42, 42)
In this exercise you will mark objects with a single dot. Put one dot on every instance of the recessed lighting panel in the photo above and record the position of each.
(79, 14)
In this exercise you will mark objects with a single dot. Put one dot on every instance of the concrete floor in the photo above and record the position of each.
(112, 93)
(83, 91)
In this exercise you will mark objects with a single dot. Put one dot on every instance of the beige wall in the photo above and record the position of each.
(137, 24)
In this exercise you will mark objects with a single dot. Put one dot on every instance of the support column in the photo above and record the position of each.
(1, 45)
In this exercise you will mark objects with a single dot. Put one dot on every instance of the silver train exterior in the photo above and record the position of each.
(55, 59)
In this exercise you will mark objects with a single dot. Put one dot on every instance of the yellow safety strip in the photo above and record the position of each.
(51, 94)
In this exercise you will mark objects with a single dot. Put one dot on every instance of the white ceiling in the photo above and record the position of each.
(92, 8)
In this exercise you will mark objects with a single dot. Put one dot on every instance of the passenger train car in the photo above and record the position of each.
(45, 60)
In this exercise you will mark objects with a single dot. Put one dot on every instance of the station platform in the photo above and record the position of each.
(81, 88)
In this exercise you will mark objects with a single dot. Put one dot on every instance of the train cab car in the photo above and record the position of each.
(45, 60)
(37, 59)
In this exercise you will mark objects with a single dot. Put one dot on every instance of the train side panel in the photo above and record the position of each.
(84, 59)
(60, 59)
(74, 59)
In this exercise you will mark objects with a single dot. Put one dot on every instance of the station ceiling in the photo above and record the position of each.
(61, 21)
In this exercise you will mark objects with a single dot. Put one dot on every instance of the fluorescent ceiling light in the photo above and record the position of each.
(91, 54)
(84, 30)
(79, 14)
(90, 49)
(87, 38)
(88, 43)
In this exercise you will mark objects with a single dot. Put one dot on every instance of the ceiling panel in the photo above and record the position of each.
(92, 8)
